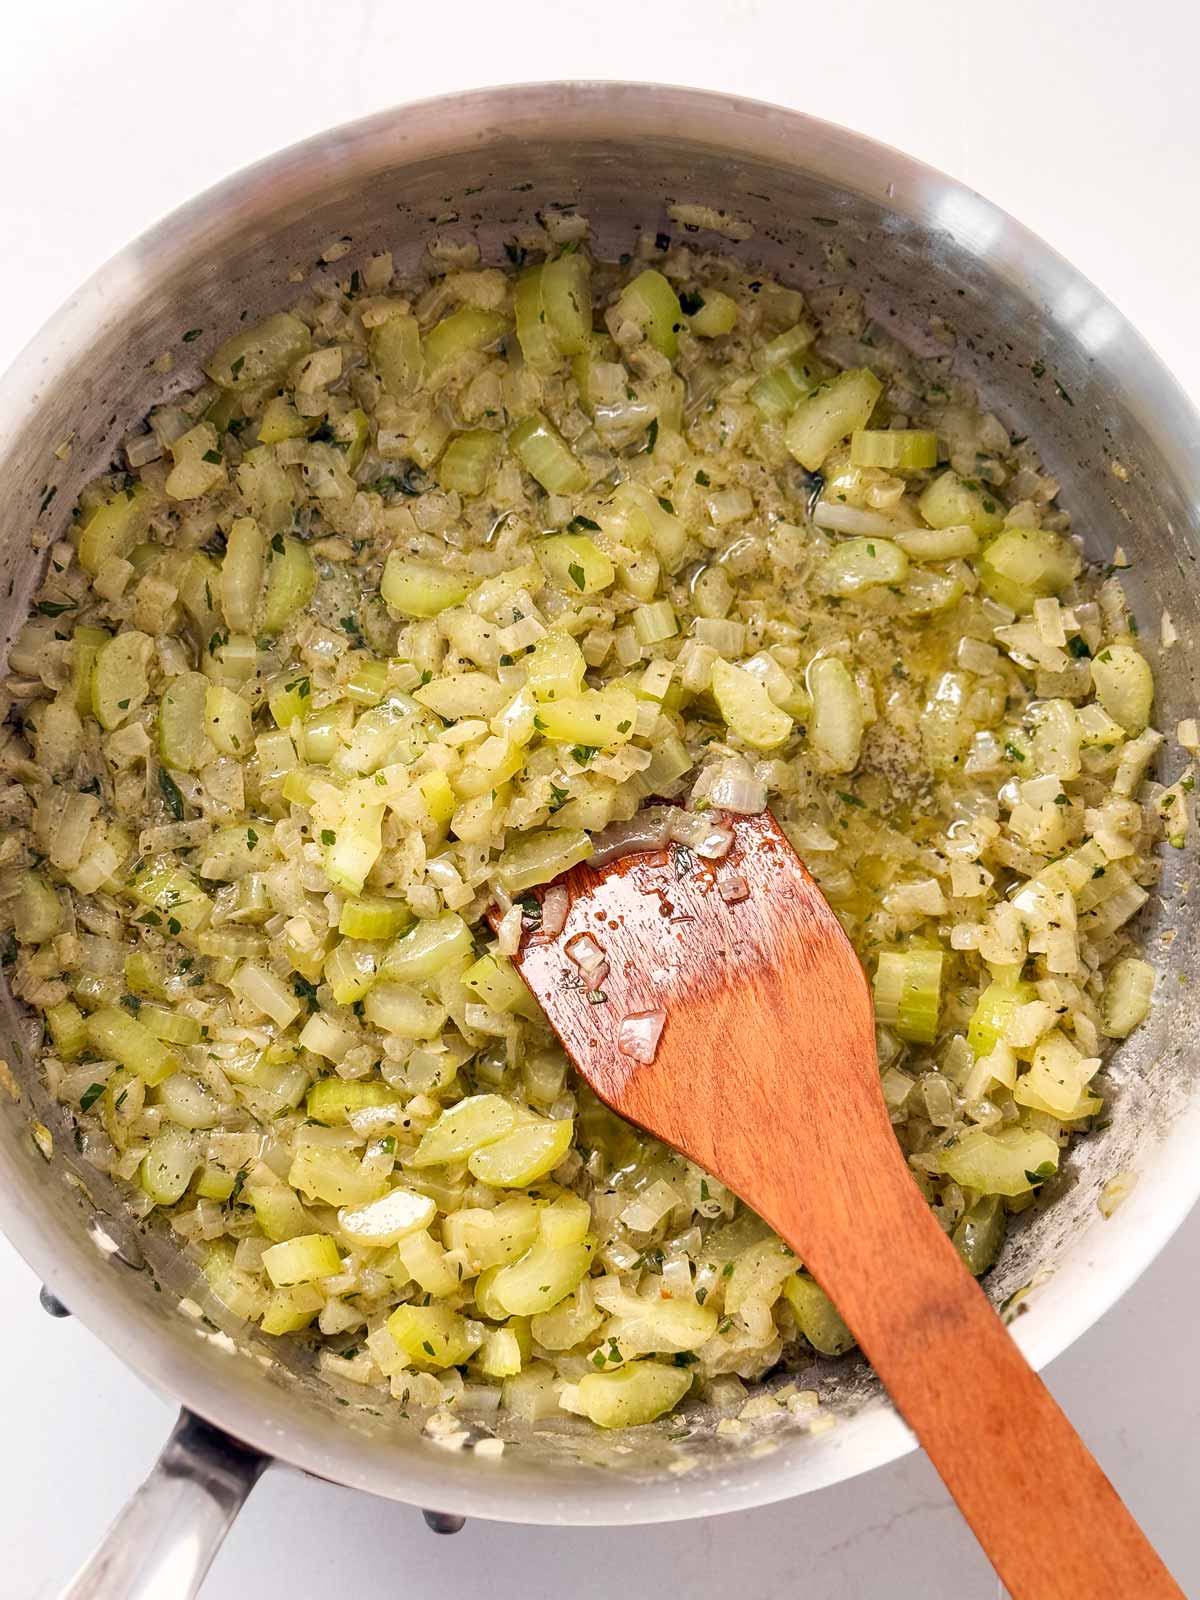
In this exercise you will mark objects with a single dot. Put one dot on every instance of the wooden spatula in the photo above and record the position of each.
(765, 1074)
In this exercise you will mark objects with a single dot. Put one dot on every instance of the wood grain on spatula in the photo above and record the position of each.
(765, 1074)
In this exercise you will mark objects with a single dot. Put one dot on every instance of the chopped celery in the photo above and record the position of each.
(396, 352)
(651, 302)
(539, 857)
(567, 298)
(335, 1176)
(980, 1233)
(951, 501)
(566, 1220)
(472, 1123)
(117, 1036)
(402, 1012)
(523, 1155)
(168, 1165)
(467, 461)
(353, 847)
(119, 677)
(68, 1030)
(747, 708)
(555, 667)
(173, 894)
(374, 918)
(500, 1355)
(368, 684)
(280, 420)
(387, 1220)
(574, 563)
(546, 456)
(597, 717)
(570, 1322)
(1022, 564)
(331, 1100)
(543, 1276)
(715, 316)
(816, 1316)
(182, 742)
(301, 1259)
(278, 1210)
(434, 1336)
(906, 449)
(289, 1310)
(656, 622)
(1124, 685)
(825, 417)
(1009, 1163)
(259, 354)
(228, 721)
(1126, 1000)
(114, 527)
(418, 588)
(265, 993)
(835, 728)
(535, 332)
(291, 584)
(242, 574)
(463, 331)
(164, 1022)
(186, 1102)
(85, 643)
(1057, 1079)
(662, 1326)
(351, 434)
(431, 946)
(993, 1011)
(499, 985)
(781, 388)
(633, 1395)
(37, 912)
(858, 564)
(908, 989)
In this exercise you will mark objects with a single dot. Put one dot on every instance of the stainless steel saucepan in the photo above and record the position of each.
(1054, 359)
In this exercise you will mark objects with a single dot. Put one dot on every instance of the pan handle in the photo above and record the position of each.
(164, 1541)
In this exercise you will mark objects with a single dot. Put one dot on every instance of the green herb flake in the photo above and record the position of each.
(328, 837)
(90, 1095)
(575, 572)
(171, 793)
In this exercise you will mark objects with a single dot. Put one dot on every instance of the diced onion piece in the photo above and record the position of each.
(733, 889)
(639, 1033)
(556, 902)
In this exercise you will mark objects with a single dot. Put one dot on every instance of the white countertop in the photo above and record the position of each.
(1082, 117)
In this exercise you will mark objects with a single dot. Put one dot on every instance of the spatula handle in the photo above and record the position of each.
(1048, 1518)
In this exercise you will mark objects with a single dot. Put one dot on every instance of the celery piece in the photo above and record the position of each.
(656, 622)
(463, 694)
(368, 685)
(351, 434)
(498, 984)
(500, 1354)
(1023, 565)
(213, 1182)
(1057, 1079)
(265, 993)
(289, 1310)
(145, 975)
(472, 1123)
(257, 355)
(114, 527)
(816, 1316)
(168, 1165)
(663, 1326)
(651, 302)
(567, 298)
(228, 721)
(242, 574)
(834, 410)
(85, 642)
(37, 912)
(835, 728)
(374, 918)
(467, 461)
(278, 1210)
(1124, 686)
(403, 1012)
(182, 742)
(908, 989)
(781, 388)
(493, 1238)
(387, 1220)
(633, 1395)
(291, 584)
(573, 562)
(302, 1259)
(396, 354)
(857, 564)
(1008, 1163)
(419, 588)
(186, 1102)
(434, 1336)
(715, 316)
(555, 667)
(565, 1221)
(335, 1176)
(596, 718)
(168, 1024)
(951, 501)
(68, 1030)
(747, 708)
(172, 892)
(354, 847)
(980, 1233)
(523, 1155)
(993, 1011)
(539, 856)
(539, 1279)
(321, 735)
(280, 420)
(331, 1100)
(199, 586)
(117, 1036)
(199, 465)
(267, 490)
(428, 948)
(438, 797)
(462, 332)
(890, 448)
(569, 1323)
(1125, 1002)
(119, 677)
(535, 331)
(546, 456)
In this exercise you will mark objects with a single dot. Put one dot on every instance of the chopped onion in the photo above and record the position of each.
(584, 951)
(556, 903)
(639, 1034)
(649, 829)
(593, 977)
(733, 889)
(717, 842)
(508, 934)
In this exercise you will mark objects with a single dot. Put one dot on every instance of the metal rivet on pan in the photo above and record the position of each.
(51, 1303)
(443, 1521)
